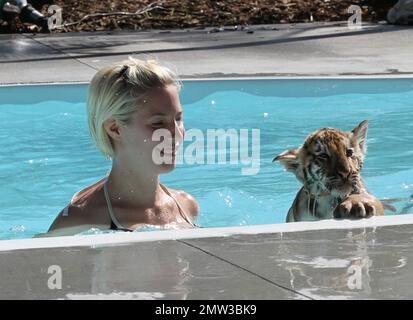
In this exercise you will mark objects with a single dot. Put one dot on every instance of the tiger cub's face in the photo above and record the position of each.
(329, 161)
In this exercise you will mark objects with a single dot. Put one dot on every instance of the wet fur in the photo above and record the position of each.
(328, 165)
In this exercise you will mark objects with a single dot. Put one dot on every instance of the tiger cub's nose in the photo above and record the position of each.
(344, 173)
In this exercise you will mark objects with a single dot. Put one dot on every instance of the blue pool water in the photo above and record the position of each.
(46, 154)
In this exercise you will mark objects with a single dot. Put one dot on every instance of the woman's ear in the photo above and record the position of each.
(112, 128)
(289, 159)
(360, 135)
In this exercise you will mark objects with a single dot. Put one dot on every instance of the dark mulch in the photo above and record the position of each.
(174, 14)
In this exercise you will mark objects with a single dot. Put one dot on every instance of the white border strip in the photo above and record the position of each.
(33, 84)
(245, 77)
(135, 237)
(383, 76)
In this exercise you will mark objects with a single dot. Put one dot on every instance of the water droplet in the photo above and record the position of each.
(212, 102)
(265, 114)
(18, 229)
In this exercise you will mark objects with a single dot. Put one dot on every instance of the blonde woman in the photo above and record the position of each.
(127, 104)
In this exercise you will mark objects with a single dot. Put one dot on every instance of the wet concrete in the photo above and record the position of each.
(358, 263)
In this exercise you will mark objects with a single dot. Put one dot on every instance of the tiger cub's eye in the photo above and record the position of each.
(349, 152)
(323, 156)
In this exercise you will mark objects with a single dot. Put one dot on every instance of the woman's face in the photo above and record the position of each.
(161, 115)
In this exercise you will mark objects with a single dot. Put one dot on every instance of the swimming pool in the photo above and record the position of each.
(47, 154)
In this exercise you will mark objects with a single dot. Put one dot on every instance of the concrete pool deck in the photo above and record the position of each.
(324, 49)
(369, 259)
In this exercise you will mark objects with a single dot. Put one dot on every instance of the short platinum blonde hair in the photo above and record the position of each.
(118, 91)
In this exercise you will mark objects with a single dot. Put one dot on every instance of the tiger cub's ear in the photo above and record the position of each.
(288, 159)
(360, 135)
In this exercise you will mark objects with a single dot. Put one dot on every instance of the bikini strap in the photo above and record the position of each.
(181, 211)
(114, 223)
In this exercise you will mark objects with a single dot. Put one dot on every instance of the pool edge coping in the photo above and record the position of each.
(102, 240)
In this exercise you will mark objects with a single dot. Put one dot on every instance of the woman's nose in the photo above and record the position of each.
(177, 133)
(178, 130)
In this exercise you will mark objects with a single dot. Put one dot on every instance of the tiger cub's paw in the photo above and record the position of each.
(356, 206)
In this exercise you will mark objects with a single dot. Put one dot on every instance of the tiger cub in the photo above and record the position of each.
(328, 165)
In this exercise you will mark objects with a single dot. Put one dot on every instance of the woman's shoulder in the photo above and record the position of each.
(187, 201)
(84, 196)
(84, 209)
